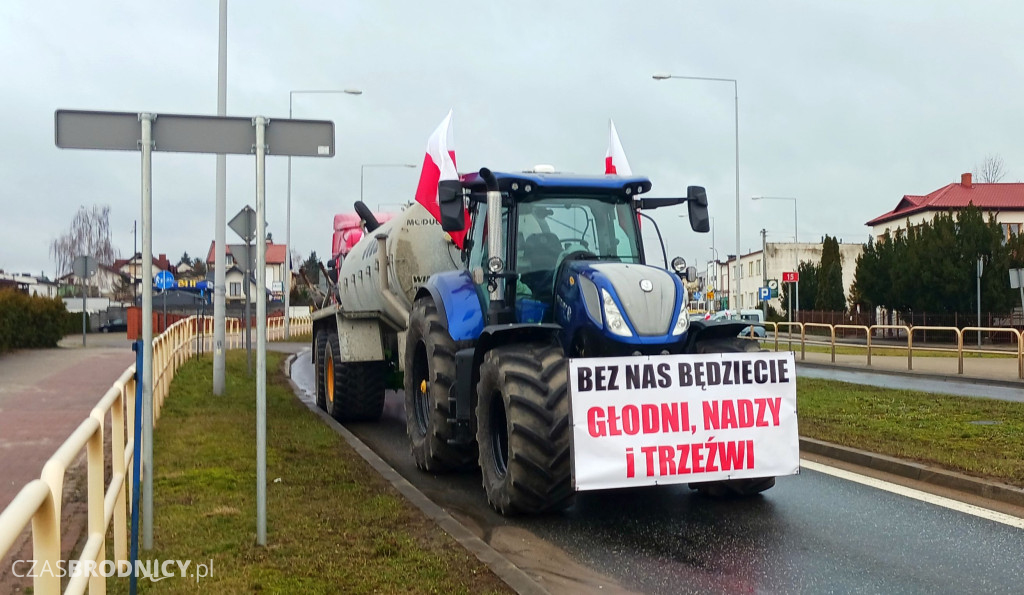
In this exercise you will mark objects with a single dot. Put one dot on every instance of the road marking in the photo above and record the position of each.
(915, 494)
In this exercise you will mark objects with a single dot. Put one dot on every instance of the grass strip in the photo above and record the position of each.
(924, 427)
(333, 525)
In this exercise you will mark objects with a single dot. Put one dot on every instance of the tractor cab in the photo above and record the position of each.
(548, 221)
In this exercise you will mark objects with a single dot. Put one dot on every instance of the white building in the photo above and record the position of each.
(757, 269)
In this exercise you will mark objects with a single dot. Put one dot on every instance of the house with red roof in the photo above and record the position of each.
(234, 277)
(1005, 202)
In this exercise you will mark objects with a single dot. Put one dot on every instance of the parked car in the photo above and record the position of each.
(116, 325)
(755, 317)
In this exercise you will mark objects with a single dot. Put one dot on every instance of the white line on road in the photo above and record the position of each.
(915, 494)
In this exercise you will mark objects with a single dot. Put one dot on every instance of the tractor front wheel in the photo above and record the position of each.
(523, 429)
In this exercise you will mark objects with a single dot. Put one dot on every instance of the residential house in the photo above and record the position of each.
(275, 269)
(1005, 202)
(28, 284)
(132, 268)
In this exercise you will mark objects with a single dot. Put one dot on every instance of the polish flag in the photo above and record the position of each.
(439, 168)
(615, 159)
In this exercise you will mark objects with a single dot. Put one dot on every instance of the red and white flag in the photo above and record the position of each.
(615, 159)
(438, 167)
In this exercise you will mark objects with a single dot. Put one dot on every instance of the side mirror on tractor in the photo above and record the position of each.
(449, 202)
(697, 206)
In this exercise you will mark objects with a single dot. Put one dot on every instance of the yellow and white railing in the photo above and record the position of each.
(39, 501)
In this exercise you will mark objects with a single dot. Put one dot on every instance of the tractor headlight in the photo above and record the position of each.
(683, 321)
(613, 318)
(679, 265)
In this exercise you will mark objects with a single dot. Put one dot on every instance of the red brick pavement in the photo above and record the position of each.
(44, 396)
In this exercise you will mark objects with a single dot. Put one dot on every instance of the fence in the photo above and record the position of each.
(835, 336)
(39, 502)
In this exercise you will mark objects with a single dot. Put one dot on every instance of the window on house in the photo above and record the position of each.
(1010, 230)
(758, 266)
(235, 289)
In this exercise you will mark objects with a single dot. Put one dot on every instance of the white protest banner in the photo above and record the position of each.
(652, 420)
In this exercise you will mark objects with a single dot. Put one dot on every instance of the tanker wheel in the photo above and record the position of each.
(732, 488)
(523, 429)
(429, 376)
(354, 391)
(319, 359)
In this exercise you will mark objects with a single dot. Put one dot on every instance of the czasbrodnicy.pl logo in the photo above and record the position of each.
(154, 570)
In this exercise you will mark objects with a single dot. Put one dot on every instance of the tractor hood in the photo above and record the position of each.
(629, 301)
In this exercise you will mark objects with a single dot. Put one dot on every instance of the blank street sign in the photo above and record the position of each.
(120, 131)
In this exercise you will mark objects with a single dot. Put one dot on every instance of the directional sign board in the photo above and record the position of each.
(119, 131)
(791, 277)
(164, 280)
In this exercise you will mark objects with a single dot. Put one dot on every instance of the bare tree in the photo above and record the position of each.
(88, 235)
(991, 169)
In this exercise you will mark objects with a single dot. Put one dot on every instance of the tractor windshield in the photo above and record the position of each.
(555, 227)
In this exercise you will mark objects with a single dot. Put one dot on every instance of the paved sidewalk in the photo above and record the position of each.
(44, 395)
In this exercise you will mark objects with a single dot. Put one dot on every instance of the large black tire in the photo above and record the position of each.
(732, 488)
(319, 357)
(523, 429)
(354, 390)
(429, 406)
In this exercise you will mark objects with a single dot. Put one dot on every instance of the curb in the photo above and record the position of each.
(508, 572)
(940, 477)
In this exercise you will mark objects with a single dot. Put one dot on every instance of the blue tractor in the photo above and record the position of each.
(552, 268)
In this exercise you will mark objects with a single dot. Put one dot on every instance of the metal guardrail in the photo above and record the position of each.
(783, 332)
(39, 501)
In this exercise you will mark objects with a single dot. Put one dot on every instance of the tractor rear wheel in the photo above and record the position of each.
(319, 368)
(354, 390)
(523, 428)
(732, 488)
(429, 408)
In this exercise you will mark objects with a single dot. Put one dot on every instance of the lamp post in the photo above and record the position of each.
(362, 171)
(288, 211)
(796, 241)
(733, 303)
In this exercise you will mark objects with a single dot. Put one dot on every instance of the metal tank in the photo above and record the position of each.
(415, 247)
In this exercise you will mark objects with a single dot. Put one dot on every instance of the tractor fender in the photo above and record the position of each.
(458, 303)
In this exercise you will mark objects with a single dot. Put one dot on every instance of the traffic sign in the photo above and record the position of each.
(698, 297)
(244, 223)
(773, 284)
(164, 280)
(791, 277)
(84, 266)
(763, 293)
(711, 295)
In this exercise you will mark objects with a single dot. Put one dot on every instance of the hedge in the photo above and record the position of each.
(33, 322)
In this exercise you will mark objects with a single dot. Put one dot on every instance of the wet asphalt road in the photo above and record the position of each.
(811, 533)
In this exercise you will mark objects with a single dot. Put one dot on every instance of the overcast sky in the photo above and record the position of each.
(845, 106)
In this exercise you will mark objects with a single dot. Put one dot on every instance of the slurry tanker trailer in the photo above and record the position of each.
(546, 350)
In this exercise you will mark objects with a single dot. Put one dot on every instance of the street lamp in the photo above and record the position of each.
(736, 103)
(796, 241)
(288, 211)
(362, 170)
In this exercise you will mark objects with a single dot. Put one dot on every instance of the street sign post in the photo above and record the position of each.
(147, 132)
(164, 280)
(84, 267)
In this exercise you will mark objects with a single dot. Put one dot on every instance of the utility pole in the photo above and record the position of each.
(981, 266)
(764, 270)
